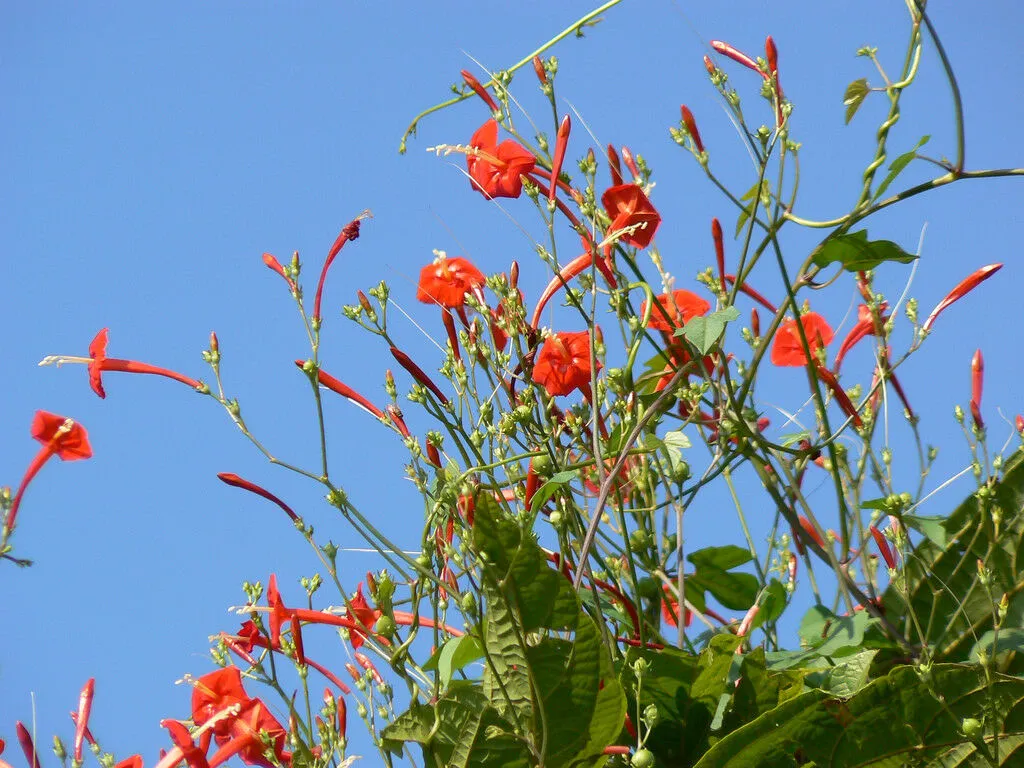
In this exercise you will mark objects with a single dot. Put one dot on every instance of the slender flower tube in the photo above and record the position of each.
(883, 546)
(807, 529)
(691, 127)
(98, 362)
(865, 326)
(336, 385)
(89, 738)
(349, 232)
(25, 740)
(964, 287)
(755, 323)
(273, 264)
(716, 236)
(532, 484)
(977, 382)
(571, 270)
(738, 56)
(363, 661)
(479, 90)
(561, 142)
(417, 373)
(709, 65)
(395, 414)
(60, 437)
(771, 55)
(82, 722)
(433, 456)
(230, 478)
(744, 288)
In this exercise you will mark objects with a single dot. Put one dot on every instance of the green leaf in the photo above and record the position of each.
(897, 167)
(856, 253)
(754, 195)
(773, 603)
(704, 331)
(894, 721)
(874, 504)
(855, 94)
(849, 676)
(546, 491)
(723, 558)
(454, 655)
(931, 526)
(736, 591)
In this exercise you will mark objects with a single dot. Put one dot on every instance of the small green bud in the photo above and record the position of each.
(972, 727)
(642, 758)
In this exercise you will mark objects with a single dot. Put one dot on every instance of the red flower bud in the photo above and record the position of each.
(561, 142)
(613, 166)
(230, 478)
(740, 58)
(275, 265)
(432, 455)
(883, 546)
(709, 65)
(755, 322)
(977, 381)
(716, 235)
(627, 158)
(691, 127)
(962, 289)
(417, 373)
(1019, 422)
(480, 91)
(771, 55)
(538, 68)
(349, 232)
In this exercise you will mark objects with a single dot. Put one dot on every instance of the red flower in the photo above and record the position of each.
(447, 281)
(278, 613)
(496, 169)
(184, 747)
(563, 364)
(681, 306)
(364, 615)
(670, 609)
(135, 761)
(82, 721)
(628, 206)
(244, 737)
(787, 349)
(61, 437)
(215, 692)
(99, 362)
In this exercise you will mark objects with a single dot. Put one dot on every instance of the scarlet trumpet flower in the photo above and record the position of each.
(349, 232)
(446, 281)
(496, 170)
(572, 270)
(680, 306)
(60, 437)
(98, 362)
(628, 206)
(865, 326)
(564, 365)
(339, 387)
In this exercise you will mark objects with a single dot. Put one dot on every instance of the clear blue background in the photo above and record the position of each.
(151, 152)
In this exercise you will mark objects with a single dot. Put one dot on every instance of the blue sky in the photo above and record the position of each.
(153, 151)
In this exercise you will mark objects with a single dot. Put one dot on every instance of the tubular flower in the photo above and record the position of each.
(628, 206)
(570, 271)
(349, 232)
(691, 127)
(680, 307)
(364, 615)
(98, 362)
(60, 437)
(865, 326)
(670, 609)
(738, 56)
(787, 349)
(496, 170)
(336, 385)
(184, 747)
(561, 142)
(246, 732)
(563, 364)
(446, 281)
